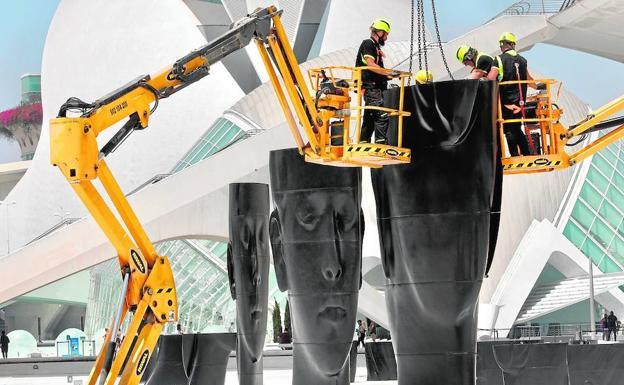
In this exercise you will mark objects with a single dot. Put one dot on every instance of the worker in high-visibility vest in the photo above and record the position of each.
(374, 82)
(513, 67)
(483, 65)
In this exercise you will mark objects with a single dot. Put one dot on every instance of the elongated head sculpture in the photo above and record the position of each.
(436, 228)
(248, 272)
(316, 237)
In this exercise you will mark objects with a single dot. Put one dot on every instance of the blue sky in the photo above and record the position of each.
(23, 28)
(24, 24)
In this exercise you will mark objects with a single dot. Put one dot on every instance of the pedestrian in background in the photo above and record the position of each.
(4, 344)
(361, 330)
(612, 326)
(603, 327)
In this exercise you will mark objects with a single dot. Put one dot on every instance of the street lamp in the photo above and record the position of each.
(592, 319)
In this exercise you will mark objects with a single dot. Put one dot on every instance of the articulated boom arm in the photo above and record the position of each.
(597, 121)
(149, 287)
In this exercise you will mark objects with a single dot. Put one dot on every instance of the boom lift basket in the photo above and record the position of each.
(338, 98)
(548, 137)
(552, 137)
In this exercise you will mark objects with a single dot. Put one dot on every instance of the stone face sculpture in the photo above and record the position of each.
(434, 226)
(248, 271)
(316, 234)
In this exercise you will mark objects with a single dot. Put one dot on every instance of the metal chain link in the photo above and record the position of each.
(422, 26)
(419, 36)
(411, 55)
(435, 22)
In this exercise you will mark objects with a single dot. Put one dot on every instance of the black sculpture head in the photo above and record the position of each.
(435, 228)
(248, 262)
(316, 237)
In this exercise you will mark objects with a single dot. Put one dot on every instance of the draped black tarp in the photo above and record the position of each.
(380, 361)
(488, 372)
(596, 364)
(210, 358)
(169, 368)
(533, 364)
(438, 221)
(192, 359)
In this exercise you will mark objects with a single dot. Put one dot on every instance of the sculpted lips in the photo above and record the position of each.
(333, 313)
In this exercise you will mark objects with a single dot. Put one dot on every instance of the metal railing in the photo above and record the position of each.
(546, 330)
(155, 179)
(61, 224)
(536, 7)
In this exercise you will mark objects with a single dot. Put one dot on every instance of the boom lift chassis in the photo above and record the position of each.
(149, 292)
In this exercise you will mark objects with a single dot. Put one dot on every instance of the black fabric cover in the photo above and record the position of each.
(438, 221)
(353, 360)
(169, 368)
(488, 372)
(210, 358)
(380, 361)
(596, 364)
(533, 364)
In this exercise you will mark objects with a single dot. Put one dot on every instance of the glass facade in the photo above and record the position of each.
(596, 223)
(199, 266)
(222, 134)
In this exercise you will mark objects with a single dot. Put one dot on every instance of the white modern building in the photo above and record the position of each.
(221, 129)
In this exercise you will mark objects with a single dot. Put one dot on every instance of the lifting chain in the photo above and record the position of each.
(419, 7)
(423, 29)
(437, 30)
(411, 54)
(419, 36)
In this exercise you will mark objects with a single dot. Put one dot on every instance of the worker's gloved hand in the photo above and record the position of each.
(514, 108)
(540, 86)
(394, 74)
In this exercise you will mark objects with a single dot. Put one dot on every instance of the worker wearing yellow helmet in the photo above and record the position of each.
(374, 81)
(483, 65)
(424, 77)
(513, 68)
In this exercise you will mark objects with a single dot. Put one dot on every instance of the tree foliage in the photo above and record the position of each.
(277, 322)
(287, 318)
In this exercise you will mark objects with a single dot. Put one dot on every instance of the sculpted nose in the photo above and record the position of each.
(333, 271)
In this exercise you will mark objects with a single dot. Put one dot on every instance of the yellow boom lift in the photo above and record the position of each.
(149, 292)
(549, 137)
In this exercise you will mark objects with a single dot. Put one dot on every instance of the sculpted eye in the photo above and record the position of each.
(307, 219)
(346, 214)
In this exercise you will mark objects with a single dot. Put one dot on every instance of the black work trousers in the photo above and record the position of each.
(374, 120)
(514, 135)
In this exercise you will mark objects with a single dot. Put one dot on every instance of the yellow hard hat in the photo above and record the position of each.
(381, 25)
(424, 76)
(507, 37)
(465, 52)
